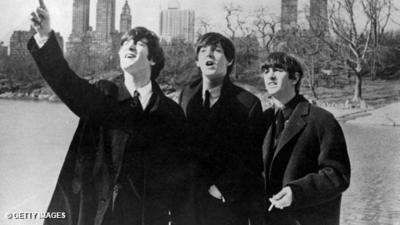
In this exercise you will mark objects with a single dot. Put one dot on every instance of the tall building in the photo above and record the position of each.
(105, 19)
(177, 23)
(319, 14)
(3, 50)
(80, 17)
(18, 40)
(288, 14)
(125, 23)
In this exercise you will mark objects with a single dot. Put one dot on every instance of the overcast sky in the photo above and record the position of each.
(15, 14)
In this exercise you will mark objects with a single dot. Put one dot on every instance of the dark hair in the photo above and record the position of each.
(286, 62)
(214, 39)
(153, 43)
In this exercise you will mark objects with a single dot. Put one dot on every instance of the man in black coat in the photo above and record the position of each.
(224, 124)
(123, 163)
(306, 165)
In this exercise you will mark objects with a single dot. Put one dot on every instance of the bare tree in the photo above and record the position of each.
(265, 28)
(350, 43)
(378, 13)
(203, 25)
(353, 41)
(232, 11)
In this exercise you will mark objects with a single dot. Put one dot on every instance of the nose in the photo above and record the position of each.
(210, 51)
(131, 45)
(270, 74)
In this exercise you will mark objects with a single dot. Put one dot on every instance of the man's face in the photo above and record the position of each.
(134, 56)
(278, 83)
(212, 61)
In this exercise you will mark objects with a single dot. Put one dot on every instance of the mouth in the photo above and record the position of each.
(130, 55)
(272, 84)
(210, 63)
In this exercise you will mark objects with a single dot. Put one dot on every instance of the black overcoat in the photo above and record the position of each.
(311, 157)
(227, 144)
(117, 149)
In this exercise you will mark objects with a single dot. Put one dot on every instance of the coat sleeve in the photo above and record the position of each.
(84, 99)
(333, 176)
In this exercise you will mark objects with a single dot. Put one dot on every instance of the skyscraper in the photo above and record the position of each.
(319, 14)
(125, 23)
(177, 23)
(80, 17)
(288, 14)
(105, 19)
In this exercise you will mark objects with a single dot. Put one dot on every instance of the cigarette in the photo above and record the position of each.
(270, 207)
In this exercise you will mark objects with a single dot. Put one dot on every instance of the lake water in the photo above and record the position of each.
(34, 138)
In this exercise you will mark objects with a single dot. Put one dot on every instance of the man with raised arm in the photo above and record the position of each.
(122, 166)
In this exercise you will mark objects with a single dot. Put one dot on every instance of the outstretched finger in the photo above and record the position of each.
(42, 5)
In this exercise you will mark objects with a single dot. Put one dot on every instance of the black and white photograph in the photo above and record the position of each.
(200, 112)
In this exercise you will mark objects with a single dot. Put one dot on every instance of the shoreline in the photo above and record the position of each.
(385, 115)
(17, 96)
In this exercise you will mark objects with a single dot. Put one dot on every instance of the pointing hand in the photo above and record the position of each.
(41, 20)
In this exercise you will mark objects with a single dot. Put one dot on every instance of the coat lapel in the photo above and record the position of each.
(120, 137)
(222, 107)
(294, 125)
(188, 94)
(267, 146)
(155, 98)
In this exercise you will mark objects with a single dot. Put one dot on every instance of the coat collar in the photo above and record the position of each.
(123, 93)
(294, 125)
(196, 86)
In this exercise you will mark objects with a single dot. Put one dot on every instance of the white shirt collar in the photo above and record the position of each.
(145, 93)
(215, 93)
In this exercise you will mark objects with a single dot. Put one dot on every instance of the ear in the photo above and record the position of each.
(296, 78)
(230, 63)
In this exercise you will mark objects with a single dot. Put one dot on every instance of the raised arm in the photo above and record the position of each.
(84, 99)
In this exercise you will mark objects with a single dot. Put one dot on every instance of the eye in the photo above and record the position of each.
(218, 49)
(142, 44)
(265, 69)
(126, 43)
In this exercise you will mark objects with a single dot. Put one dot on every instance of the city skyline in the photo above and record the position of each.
(144, 13)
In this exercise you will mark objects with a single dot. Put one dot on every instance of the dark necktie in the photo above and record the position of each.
(135, 101)
(207, 102)
(280, 124)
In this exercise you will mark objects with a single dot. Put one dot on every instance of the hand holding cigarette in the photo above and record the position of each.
(281, 200)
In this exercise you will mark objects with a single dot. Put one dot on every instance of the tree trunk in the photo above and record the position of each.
(373, 64)
(312, 83)
(314, 92)
(357, 88)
